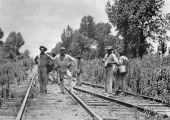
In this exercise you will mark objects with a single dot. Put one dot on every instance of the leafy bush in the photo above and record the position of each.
(93, 71)
(12, 73)
(148, 76)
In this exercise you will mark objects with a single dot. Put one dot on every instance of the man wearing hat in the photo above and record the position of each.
(122, 73)
(42, 60)
(80, 71)
(62, 62)
(110, 61)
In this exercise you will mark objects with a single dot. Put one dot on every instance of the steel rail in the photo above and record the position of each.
(147, 97)
(120, 102)
(128, 93)
(89, 84)
(85, 107)
(22, 108)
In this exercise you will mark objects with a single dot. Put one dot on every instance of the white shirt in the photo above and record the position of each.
(65, 62)
(110, 58)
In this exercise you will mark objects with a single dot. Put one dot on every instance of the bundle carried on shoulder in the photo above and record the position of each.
(123, 64)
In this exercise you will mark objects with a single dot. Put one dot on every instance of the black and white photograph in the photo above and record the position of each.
(84, 59)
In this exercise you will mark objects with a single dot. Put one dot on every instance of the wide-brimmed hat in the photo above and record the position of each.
(42, 47)
(109, 48)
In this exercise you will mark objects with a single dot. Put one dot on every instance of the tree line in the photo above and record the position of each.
(10, 48)
(138, 25)
(139, 22)
(89, 40)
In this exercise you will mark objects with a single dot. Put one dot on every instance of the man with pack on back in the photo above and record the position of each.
(42, 60)
(62, 62)
(110, 61)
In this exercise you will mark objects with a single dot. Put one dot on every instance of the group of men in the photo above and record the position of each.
(113, 63)
(61, 64)
(116, 68)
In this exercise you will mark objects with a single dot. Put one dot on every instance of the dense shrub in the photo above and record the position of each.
(12, 73)
(149, 76)
(93, 71)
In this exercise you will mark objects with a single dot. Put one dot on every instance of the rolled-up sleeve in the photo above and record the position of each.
(72, 59)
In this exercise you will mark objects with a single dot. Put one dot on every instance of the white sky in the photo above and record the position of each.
(41, 22)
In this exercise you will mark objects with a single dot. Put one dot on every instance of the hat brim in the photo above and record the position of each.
(109, 49)
(42, 47)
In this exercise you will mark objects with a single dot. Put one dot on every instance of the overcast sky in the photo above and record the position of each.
(41, 22)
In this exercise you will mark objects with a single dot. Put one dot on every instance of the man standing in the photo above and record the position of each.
(80, 71)
(62, 62)
(110, 62)
(42, 61)
(122, 73)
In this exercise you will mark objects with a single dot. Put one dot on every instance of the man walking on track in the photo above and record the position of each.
(62, 62)
(110, 61)
(42, 61)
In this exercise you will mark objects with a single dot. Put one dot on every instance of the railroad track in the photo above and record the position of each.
(86, 107)
(124, 107)
(24, 102)
(128, 93)
(11, 102)
(152, 106)
(100, 107)
(49, 101)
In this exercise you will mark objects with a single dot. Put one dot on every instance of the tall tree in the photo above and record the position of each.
(19, 41)
(80, 44)
(14, 42)
(161, 33)
(57, 47)
(67, 37)
(102, 31)
(135, 20)
(87, 27)
(104, 38)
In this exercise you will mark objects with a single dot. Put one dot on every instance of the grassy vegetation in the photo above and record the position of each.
(148, 76)
(12, 74)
